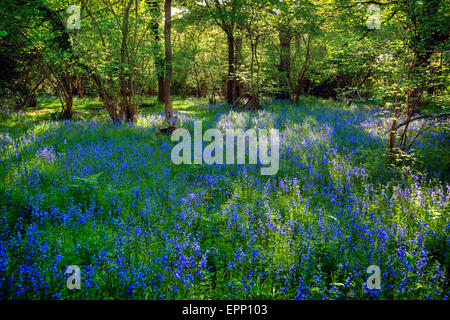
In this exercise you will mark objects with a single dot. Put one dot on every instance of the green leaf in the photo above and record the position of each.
(411, 259)
(338, 284)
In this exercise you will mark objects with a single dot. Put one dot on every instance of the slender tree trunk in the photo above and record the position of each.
(158, 59)
(237, 62)
(79, 86)
(109, 101)
(67, 112)
(64, 89)
(227, 25)
(168, 54)
(125, 108)
(197, 81)
(231, 75)
(304, 68)
(392, 131)
(285, 37)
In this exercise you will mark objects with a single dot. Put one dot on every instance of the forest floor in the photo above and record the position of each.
(107, 198)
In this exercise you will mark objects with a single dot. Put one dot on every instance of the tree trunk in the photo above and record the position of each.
(285, 37)
(67, 110)
(67, 92)
(79, 86)
(231, 75)
(304, 67)
(125, 106)
(237, 62)
(158, 59)
(168, 54)
(109, 101)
